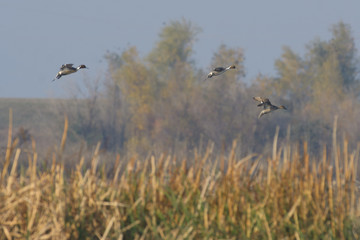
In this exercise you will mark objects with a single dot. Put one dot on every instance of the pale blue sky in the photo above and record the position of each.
(38, 36)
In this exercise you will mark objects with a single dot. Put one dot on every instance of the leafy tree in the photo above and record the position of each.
(293, 82)
(318, 84)
(175, 77)
(340, 48)
(137, 88)
(342, 44)
(175, 45)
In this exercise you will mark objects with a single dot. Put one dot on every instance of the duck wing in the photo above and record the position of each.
(219, 69)
(68, 65)
(265, 111)
(259, 99)
(263, 102)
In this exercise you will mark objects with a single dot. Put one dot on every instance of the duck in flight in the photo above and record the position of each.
(220, 70)
(66, 69)
(268, 107)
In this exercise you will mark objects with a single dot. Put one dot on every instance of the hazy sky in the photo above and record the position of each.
(38, 36)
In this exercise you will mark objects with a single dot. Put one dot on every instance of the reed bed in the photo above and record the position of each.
(283, 196)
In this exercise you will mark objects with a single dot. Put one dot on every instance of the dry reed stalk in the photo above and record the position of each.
(108, 227)
(248, 221)
(161, 232)
(349, 184)
(161, 177)
(58, 205)
(262, 216)
(231, 159)
(12, 172)
(154, 190)
(203, 192)
(296, 219)
(8, 148)
(7, 233)
(63, 138)
(222, 163)
(293, 209)
(34, 167)
(206, 216)
(143, 236)
(53, 165)
(133, 207)
(346, 160)
(213, 183)
(275, 142)
(142, 180)
(317, 198)
(352, 185)
(323, 178)
(269, 172)
(176, 231)
(336, 154)
(187, 233)
(137, 222)
(330, 200)
(287, 148)
(294, 165)
(306, 165)
(355, 169)
(253, 167)
(95, 159)
(33, 210)
(166, 166)
(220, 209)
(199, 169)
(117, 169)
(285, 163)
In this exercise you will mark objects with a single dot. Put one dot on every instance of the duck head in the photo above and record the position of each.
(81, 66)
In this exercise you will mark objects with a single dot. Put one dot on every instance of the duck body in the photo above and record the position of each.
(220, 70)
(266, 104)
(66, 69)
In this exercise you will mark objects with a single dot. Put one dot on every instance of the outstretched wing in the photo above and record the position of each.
(263, 102)
(219, 69)
(68, 65)
(266, 111)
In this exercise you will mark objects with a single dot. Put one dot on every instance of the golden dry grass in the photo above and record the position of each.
(285, 196)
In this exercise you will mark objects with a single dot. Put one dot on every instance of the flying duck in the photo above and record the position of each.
(268, 107)
(66, 69)
(220, 70)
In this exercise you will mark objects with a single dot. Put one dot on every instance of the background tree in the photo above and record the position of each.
(161, 101)
(175, 45)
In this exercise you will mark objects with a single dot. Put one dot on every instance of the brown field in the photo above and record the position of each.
(284, 196)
